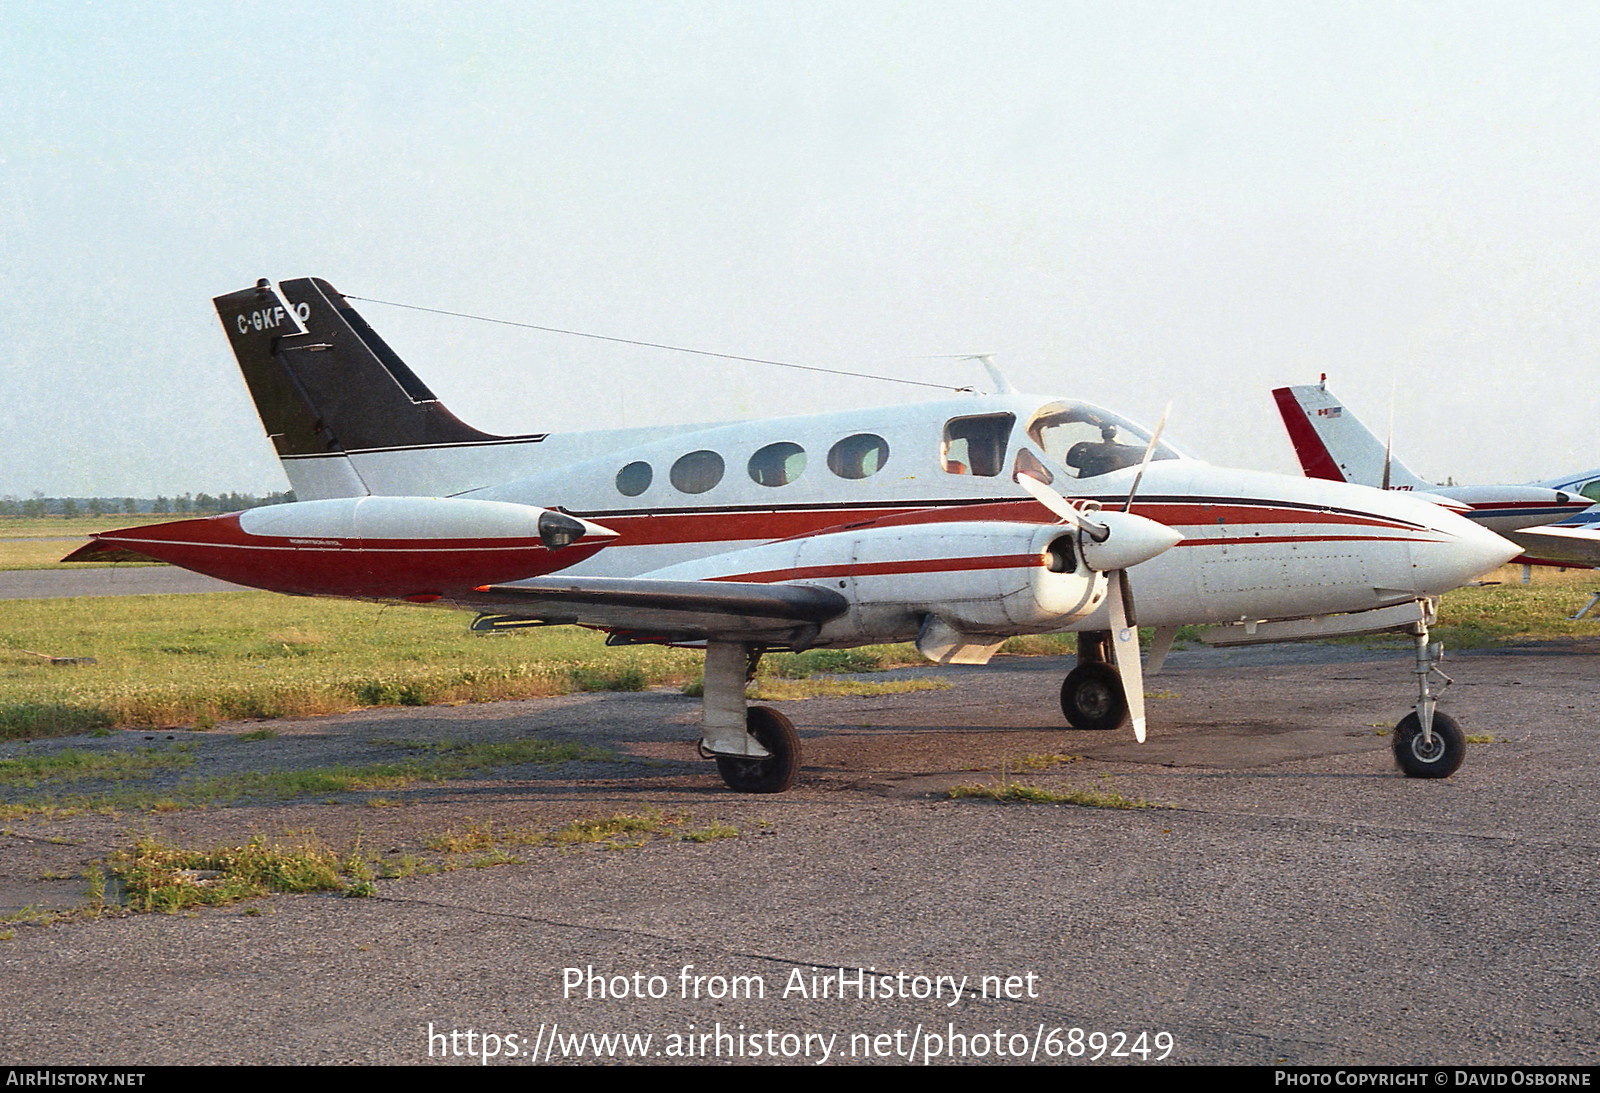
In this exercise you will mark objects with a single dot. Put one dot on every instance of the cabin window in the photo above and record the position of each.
(977, 445)
(778, 464)
(697, 472)
(860, 456)
(634, 479)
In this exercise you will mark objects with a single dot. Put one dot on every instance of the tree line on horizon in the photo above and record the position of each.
(183, 504)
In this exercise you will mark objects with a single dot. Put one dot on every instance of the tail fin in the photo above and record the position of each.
(326, 385)
(1332, 443)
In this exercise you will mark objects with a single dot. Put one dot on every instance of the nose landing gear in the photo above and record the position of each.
(1428, 744)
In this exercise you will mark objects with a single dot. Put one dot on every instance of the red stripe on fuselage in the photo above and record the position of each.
(660, 529)
(882, 569)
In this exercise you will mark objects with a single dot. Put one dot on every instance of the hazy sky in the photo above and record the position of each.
(1128, 202)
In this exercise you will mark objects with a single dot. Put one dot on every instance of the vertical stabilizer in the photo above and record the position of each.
(327, 386)
(1332, 443)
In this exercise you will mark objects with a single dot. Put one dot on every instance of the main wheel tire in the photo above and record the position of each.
(1092, 697)
(1439, 758)
(774, 774)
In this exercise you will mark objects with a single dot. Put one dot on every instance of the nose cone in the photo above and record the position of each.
(1459, 552)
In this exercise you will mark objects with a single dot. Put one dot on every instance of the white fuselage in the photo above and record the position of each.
(1255, 546)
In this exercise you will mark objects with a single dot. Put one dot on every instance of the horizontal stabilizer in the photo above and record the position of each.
(98, 551)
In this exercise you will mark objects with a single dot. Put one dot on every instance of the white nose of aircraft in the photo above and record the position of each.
(1457, 553)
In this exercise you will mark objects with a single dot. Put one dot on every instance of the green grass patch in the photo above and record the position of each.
(600, 829)
(156, 876)
(774, 690)
(1018, 792)
(710, 833)
(616, 831)
(442, 762)
(198, 659)
(1046, 761)
(74, 765)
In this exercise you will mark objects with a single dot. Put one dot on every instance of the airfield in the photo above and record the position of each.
(1291, 899)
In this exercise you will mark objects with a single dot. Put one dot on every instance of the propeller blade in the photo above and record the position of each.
(1388, 443)
(1149, 450)
(1125, 651)
(1066, 510)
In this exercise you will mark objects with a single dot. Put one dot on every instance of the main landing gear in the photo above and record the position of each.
(1092, 695)
(756, 749)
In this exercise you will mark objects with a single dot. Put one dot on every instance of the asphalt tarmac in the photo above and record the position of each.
(1294, 900)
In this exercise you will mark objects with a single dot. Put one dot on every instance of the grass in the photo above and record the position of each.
(775, 690)
(440, 762)
(54, 527)
(156, 876)
(73, 765)
(618, 831)
(711, 833)
(198, 659)
(1014, 792)
(38, 542)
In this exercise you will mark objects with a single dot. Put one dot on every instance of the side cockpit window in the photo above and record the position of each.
(1087, 442)
(977, 445)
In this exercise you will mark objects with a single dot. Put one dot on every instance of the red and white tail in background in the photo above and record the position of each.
(1332, 443)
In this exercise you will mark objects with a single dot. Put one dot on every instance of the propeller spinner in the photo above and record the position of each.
(1111, 543)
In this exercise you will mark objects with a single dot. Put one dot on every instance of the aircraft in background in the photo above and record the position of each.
(954, 524)
(1540, 517)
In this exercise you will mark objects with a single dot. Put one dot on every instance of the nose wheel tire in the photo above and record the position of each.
(1092, 698)
(1438, 758)
(774, 774)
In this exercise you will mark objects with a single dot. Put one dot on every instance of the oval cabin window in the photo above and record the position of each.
(634, 479)
(778, 464)
(860, 456)
(697, 472)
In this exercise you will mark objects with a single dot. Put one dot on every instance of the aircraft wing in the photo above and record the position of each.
(1574, 544)
(644, 607)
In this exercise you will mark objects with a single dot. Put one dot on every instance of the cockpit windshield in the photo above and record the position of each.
(1087, 441)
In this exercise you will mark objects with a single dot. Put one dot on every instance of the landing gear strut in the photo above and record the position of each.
(1092, 695)
(1428, 744)
(756, 749)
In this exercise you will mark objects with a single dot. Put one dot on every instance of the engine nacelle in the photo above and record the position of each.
(413, 548)
(978, 578)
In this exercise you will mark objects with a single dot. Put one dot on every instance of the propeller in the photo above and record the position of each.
(1111, 542)
(1388, 442)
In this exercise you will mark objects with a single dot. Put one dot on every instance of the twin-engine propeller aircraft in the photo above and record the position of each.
(952, 524)
(1541, 517)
